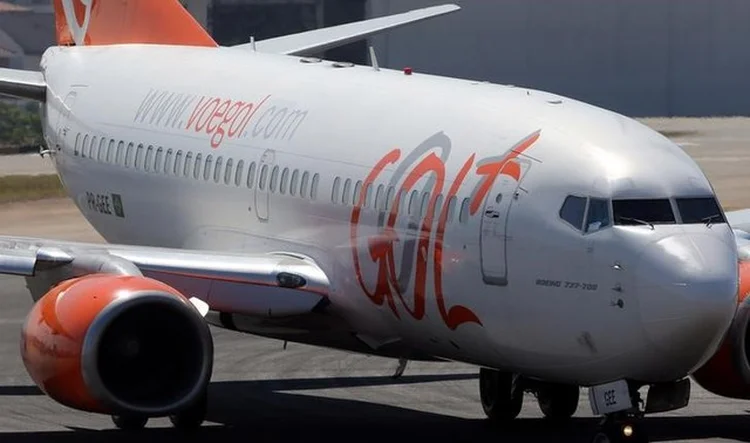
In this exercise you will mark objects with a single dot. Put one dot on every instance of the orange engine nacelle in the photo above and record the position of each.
(118, 344)
(727, 373)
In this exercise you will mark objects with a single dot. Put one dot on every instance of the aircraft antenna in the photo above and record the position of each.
(374, 59)
(252, 43)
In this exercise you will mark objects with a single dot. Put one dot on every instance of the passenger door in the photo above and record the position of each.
(494, 223)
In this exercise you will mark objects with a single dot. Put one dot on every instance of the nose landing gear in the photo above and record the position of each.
(621, 405)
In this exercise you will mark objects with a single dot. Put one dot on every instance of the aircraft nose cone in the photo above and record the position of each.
(687, 291)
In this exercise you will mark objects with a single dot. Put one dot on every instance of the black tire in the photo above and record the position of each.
(130, 422)
(558, 402)
(500, 404)
(192, 417)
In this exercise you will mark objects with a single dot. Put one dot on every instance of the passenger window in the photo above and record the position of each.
(643, 211)
(159, 160)
(379, 198)
(463, 216)
(303, 185)
(438, 208)
(217, 169)
(295, 183)
(188, 170)
(111, 152)
(700, 210)
(85, 148)
(573, 210)
(345, 197)
(284, 181)
(149, 158)
(168, 162)
(129, 156)
(335, 190)
(263, 177)
(239, 174)
(91, 149)
(139, 157)
(251, 176)
(102, 150)
(452, 208)
(178, 165)
(598, 215)
(413, 202)
(389, 199)
(77, 145)
(121, 153)
(209, 165)
(274, 179)
(368, 195)
(228, 172)
(314, 186)
(197, 166)
(356, 195)
(425, 204)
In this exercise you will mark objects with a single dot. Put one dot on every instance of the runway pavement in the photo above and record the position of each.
(261, 392)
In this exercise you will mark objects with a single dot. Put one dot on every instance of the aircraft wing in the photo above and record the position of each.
(23, 84)
(262, 285)
(311, 42)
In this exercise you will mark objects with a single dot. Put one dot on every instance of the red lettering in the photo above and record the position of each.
(381, 246)
(198, 110)
(219, 113)
(206, 114)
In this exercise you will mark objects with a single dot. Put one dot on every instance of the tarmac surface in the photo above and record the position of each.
(261, 392)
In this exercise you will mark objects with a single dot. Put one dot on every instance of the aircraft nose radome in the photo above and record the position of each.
(687, 291)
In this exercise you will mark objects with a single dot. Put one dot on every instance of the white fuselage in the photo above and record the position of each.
(284, 151)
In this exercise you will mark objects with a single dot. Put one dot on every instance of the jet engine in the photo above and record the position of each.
(118, 344)
(727, 373)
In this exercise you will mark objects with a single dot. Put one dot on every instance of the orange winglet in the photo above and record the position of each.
(109, 22)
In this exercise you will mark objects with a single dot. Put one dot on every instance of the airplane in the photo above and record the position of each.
(553, 244)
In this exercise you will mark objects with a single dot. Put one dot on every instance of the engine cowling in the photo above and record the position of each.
(118, 344)
(727, 373)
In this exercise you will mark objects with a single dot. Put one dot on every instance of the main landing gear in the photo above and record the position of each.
(186, 419)
(502, 396)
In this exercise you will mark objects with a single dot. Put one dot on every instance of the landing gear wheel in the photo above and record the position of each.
(558, 402)
(617, 431)
(500, 401)
(192, 417)
(130, 422)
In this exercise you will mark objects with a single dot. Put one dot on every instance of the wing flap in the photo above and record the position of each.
(266, 285)
(311, 42)
(23, 84)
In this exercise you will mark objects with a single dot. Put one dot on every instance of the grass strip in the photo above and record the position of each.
(18, 188)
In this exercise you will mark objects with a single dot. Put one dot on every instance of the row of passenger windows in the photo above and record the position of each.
(157, 159)
(381, 198)
(186, 164)
(596, 211)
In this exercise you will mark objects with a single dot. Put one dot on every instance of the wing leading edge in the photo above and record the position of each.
(260, 285)
(310, 42)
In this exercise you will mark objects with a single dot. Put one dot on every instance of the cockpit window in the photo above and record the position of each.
(598, 215)
(643, 211)
(573, 210)
(700, 210)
